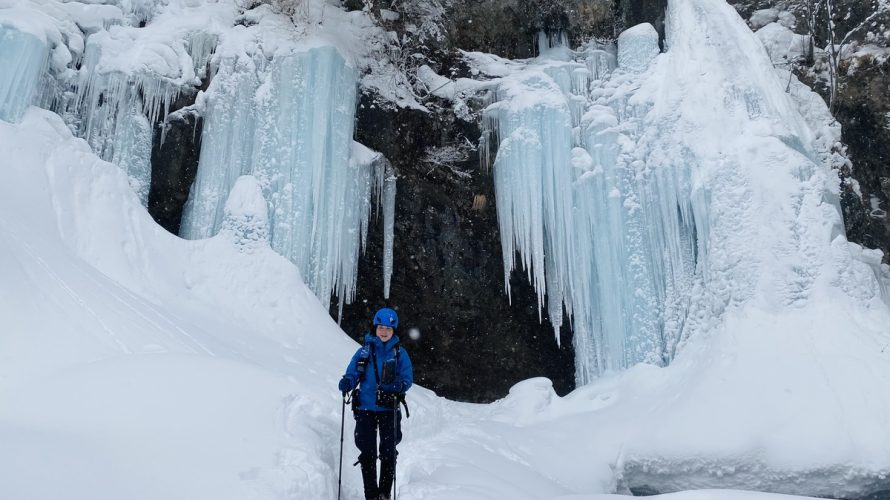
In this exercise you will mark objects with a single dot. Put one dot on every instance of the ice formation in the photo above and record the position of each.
(602, 237)
(572, 203)
(278, 107)
(24, 58)
(634, 219)
(289, 122)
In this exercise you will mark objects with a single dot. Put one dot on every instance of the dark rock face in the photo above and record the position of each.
(862, 108)
(633, 12)
(516, 23)
(448, 279)
(174, 164)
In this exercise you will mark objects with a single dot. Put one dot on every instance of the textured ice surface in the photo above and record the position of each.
(637, 47)
(289, 122)
(246, 216)
(23, 59)
(132, 139)
(573, 204)
(281, 107)
(628, 209)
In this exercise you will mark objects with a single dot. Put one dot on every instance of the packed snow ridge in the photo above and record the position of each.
(681, 206)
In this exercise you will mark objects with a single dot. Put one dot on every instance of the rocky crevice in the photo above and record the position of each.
(174, 163)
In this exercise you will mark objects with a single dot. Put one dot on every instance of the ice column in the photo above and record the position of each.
(226, 146)
(388, 184)
(132, 148)
(23, 59)
(289, 122)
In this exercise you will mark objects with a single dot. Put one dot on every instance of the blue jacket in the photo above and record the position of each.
(376, 350)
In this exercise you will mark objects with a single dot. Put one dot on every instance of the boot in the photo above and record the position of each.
(384, 496)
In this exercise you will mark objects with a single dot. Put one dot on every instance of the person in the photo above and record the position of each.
(379, 374)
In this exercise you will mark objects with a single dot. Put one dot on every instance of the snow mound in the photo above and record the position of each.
(637, 47)
(246, 216)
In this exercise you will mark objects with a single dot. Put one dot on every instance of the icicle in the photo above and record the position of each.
(608, 239)
(545, 40)
(201, 46)
(389, 220)
(132, 148)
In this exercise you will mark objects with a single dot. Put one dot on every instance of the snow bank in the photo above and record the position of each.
(130, 355)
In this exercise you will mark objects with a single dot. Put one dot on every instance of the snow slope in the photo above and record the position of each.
(138, 365)
(160, 376)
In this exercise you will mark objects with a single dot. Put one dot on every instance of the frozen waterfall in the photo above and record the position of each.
(289, 123)
(281, 111)
(604, 241)
(647, 213)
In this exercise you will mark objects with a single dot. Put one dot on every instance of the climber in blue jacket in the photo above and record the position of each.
(379, 374)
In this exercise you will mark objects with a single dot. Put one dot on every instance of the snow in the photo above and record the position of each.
(177, 360)
(762, 17)
(445, 88)
(637, 47)
(246, 217)
(134, 364)
(783, 45)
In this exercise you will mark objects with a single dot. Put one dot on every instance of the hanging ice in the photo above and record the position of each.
(227, 143)
(289, 122)
(23, 59)
(112, 83)
(389, 220)
(678, 195)
(132, 149)
(606, 241)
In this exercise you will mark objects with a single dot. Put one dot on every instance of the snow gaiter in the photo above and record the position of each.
(387, 472)
(369, 477)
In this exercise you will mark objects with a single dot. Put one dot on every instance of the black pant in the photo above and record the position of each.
(367, 424)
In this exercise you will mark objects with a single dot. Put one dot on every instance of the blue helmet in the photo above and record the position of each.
(386, 317)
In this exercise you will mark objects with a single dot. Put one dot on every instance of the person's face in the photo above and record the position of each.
(384, 332)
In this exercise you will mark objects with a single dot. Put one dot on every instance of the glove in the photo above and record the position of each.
(346, 384)
(395, 387)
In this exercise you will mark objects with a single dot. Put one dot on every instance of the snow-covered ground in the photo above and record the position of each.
(137, 365)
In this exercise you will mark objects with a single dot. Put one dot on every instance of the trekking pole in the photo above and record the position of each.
(342, 425)
(395, 454)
